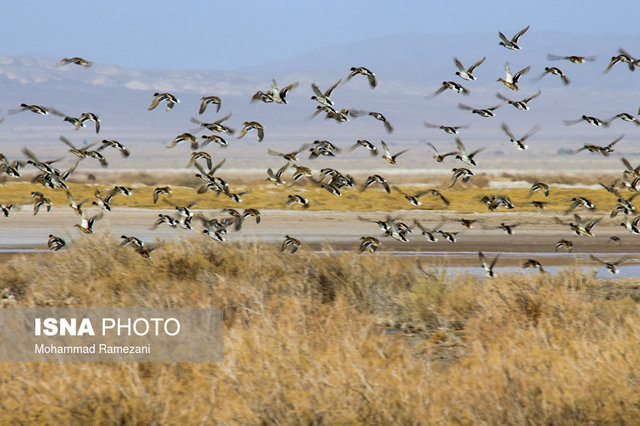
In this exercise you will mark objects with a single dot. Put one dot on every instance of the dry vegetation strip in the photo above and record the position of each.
(307, 341)
(268, 196)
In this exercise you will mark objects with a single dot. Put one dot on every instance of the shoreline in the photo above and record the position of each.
(341, 231)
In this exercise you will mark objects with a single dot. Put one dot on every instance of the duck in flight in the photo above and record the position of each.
(631, 225)
(369, 244)
(82, 120)
(380, 117)
(623, 57)
(629, 169)
(200, 155)
(467, 74)
(11, 168)
(519, 143)
(78, 152)
(467, 223)
(384, 225)
(291, 244)
(324, 98)
(276, 178)
(521, 104)
(413, 199)
(391, 159)
(508, 229)
(208, 100)
(612, 267)
(76, 60)
(371, 77)
(300, 171)
(449, 236)
(139, 246)
(280, 95)
(533, 263)
(461, 173)
(297, 199)
(289, 156)
(111, 143)
(582, 227)
(365, 144)
(161, 190)
(580, 202)
(564, 245)
(86, 224)
(184, 137)
(624, 116)
(36, 109)
(512, 44)
(488, 267)
(495, 201)
(465, 157)
(604, 150)
(170, 99)
(482, 112)
(6, 208)
(103, 202)
(213, 138)
(376, 179)
(440, 157)
(438, 194)
(216, 227)
(55, 243)
(452, 130)
(77, 207)
(572, 58)
(451, 85)
(324, 148)
(252, 125)
(539, 186)
(594, 121)
(429, 234)
(554, 71)
(511, 80)
(39, 200)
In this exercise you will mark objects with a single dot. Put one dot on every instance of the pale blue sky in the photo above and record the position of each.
(234, 34)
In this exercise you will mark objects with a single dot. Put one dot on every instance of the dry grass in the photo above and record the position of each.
(429, 176)
(307, 341)
(464, 199)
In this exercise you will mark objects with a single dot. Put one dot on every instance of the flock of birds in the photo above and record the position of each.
(330, 179)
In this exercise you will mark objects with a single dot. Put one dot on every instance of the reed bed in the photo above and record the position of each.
(463, 199)
(334, 338)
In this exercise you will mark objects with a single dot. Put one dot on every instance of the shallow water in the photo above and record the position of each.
(20, 250)
(628, 271)
(467, 262)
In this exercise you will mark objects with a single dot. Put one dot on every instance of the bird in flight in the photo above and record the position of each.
(513, 43)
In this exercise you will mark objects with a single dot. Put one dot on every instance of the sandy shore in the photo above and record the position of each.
(536, 233)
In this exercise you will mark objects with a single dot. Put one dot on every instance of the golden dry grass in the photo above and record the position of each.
(307, 341)
(268, 196)
(431, 176)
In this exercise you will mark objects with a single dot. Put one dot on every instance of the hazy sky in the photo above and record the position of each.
(233, 34)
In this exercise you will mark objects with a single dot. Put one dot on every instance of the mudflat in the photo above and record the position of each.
(536, 232)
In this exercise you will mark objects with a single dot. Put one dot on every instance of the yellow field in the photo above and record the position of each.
(268, 196)
(333, 339)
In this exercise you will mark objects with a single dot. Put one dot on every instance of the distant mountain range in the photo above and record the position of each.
(409, 68)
